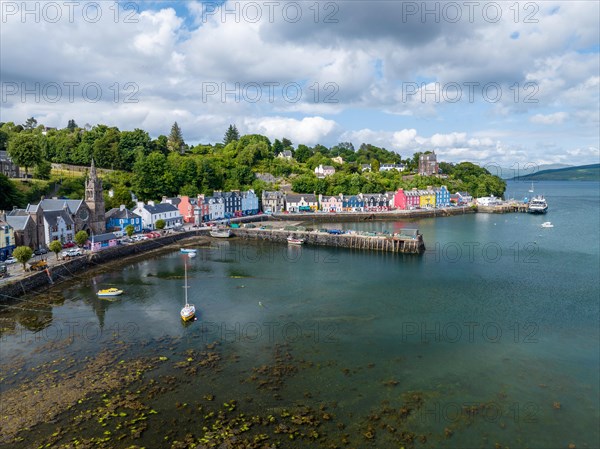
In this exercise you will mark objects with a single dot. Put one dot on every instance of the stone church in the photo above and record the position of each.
(94, 199)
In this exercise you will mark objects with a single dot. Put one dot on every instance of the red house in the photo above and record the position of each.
(400, 200)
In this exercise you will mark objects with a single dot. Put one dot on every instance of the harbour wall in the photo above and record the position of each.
(394, 244)
(66, 270)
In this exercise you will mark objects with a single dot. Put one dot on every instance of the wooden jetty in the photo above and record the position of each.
(515, 206)
(410, 242)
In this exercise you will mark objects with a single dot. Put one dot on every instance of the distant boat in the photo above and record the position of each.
(531, 189)
(107, 292)
(189, 310)
(191, 255)
(188, 250)
(295, 241)
(538, 205)
(221, 233)
(547, 224)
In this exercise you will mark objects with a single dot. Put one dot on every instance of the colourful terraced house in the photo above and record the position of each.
(353, 203)
(332, 203)
(7, 240)
(427, 198)
(442, 197)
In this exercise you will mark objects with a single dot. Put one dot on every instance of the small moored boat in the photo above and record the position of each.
(223, 233)
(295, 241)
(189, 310)
(107, 292)
(188, 250)
(547, 224)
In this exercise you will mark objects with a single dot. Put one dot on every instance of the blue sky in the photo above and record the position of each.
(387, 73)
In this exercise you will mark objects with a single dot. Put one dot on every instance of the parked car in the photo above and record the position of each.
(335, 231)
(69, 245)
(74, 252)
(40, 251)
(3, 270)
(10, 261)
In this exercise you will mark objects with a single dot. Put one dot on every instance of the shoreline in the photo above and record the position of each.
(41, 280)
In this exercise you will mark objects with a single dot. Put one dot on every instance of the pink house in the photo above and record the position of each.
(413, 198)
(400, 200)
(186, 209)
(331, 203)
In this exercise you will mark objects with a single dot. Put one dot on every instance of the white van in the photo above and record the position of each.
(119, 234)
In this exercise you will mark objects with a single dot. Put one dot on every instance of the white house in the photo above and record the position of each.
(58, 225)
(285, 154)
(216, 208)
(273, 202)
(338, 160)
(324, 170)
(152, 212)
(301, 202)
(388, 167)
(249, 203)
(488, 201)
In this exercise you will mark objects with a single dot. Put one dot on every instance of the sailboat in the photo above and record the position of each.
(189, 310)
(531, 189)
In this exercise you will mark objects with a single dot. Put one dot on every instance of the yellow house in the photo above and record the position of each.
(7, 240)
(427, 198)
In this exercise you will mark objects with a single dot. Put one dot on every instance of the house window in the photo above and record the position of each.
(69, 227)
(54, 228)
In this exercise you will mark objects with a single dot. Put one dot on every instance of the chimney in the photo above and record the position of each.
(140, 204)
(151, 203)
(122, 207)
(164, 199)
(54, 197)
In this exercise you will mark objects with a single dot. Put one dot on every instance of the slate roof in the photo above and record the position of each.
(160, 208)
(58, 204)
(51, 217)
(104, 237)
(121, 213)
(295, 198)
(17, 222)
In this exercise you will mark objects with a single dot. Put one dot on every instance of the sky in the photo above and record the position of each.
(505, 83)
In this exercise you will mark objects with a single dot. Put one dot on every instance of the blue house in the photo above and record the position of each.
(119, 219)
(232, 201)
(442, 197)
(353, 203)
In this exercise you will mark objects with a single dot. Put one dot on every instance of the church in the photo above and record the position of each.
(77, 215)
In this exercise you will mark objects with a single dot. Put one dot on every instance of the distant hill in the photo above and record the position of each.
(580, 173)
(521, 170)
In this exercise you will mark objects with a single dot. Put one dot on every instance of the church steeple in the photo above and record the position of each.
(95, 201)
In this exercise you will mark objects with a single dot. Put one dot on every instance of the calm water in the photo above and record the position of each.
(499, 312)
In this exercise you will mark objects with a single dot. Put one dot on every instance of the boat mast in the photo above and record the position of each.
(186, 286)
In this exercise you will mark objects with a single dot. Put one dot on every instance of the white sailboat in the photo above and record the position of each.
(531, 189)
(189, 310)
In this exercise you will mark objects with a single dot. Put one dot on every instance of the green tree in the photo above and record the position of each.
(11, 196)
(375, 165)
(160, 224)
(149, 180)
(30, 124)
(175, 141)
(56, 247)
(42, 170)
(129, 229)
(3, 140)
(277, 147)
(81, 238)
(23, 254)
(303, 153)
(231, 135)
(25, 149)
(72, 126)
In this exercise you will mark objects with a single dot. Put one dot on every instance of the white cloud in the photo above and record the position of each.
(309, 130)
(549, 119)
